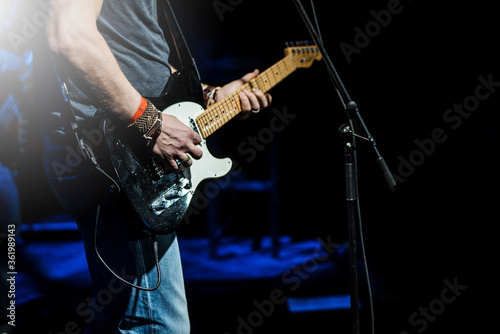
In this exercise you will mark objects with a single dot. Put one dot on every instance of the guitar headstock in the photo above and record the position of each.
(303, 55)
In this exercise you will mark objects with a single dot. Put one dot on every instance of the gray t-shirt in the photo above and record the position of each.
(132, 31)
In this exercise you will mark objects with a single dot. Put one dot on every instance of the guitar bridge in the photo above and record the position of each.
(171, 195)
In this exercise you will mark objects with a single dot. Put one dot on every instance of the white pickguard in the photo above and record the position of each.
(208, 166)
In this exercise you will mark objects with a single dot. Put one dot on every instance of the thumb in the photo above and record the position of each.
(249, 76)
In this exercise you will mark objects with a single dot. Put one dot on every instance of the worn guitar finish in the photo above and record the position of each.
(161, 197)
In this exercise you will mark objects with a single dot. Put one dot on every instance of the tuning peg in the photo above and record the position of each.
(303, 43)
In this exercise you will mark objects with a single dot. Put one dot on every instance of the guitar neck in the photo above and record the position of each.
(219, 113)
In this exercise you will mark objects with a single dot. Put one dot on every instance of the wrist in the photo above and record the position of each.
(210, 94)
(146, 122)
(140, 111)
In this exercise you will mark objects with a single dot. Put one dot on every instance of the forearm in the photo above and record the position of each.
(78, 40)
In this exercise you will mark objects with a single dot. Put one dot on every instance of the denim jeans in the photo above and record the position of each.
(115, 307)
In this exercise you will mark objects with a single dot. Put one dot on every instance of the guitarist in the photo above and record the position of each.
(114, 53)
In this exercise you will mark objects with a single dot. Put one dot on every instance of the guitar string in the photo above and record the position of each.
(217, 110)
(216, 116)
(266, 83)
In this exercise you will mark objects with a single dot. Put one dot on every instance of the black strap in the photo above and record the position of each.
(71, 127)
(68, 118)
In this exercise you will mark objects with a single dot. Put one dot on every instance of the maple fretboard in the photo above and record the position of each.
(219, 113)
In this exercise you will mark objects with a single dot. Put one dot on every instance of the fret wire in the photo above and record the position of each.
(204, 119)
(201, 124)
(223, 115)
(290, 60)
(286, 62)
(214, 119)
(278, 68)
(229, 103)
(271, 78)
(266, 81)
(283, 68)
(262, 84)
(254, 83)
(273, 71)
(283, 65)
(210, 117)
(286, 67)
(219, 114)
(282, 75)
(277, 72)
(216, 123)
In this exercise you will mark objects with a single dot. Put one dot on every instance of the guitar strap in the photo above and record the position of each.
(68, 118)
(186, 60)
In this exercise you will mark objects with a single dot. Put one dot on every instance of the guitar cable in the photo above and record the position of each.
(154, 239)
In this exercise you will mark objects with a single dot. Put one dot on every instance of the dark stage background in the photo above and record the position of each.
(426, 80)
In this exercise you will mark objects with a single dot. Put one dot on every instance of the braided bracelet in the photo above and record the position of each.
(146, 122)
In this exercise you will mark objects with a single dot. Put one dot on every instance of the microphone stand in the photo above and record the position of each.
(349, 133)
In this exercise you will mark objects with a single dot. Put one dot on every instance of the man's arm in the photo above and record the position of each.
(72, 33)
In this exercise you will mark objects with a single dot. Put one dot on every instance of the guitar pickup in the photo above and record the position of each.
(171, 195)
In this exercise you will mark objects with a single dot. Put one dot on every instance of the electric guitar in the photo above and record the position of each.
(160, 197)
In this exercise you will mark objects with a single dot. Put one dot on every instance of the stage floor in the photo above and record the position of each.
(242, 290)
